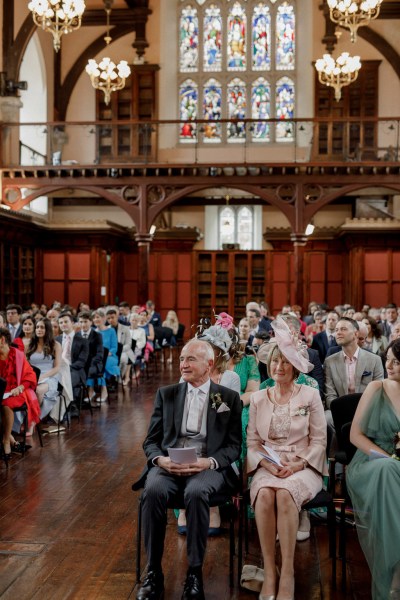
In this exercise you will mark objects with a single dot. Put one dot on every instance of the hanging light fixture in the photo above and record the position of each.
(57, 17)
(353, 14)
(338, 73)
(106, 75)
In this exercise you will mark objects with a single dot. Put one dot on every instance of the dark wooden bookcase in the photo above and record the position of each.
(136, 101)
(338, 140)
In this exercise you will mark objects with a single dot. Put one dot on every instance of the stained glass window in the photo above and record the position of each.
(227, 226)
(261, 26)
(236, 109)
(188, 102)
(236, 50)
(285, 37)
(212, 39)
(189, 40)
(241, 56)
(261, 109)
(284, 109)
(212, 102)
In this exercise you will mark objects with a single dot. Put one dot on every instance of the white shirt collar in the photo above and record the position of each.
(205, 388)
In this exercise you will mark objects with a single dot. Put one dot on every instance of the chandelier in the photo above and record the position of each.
(106, 75)
(353, 14)
(338, 73)
(57, 17)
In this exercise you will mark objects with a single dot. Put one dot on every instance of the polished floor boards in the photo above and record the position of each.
(68, 517)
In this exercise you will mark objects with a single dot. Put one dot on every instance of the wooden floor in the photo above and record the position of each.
(68, 518)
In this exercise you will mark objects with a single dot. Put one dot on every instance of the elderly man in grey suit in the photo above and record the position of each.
(196, 413)
(350, 370)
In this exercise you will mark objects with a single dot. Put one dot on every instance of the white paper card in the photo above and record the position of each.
(6, 395)
(374, 454)
(183, 456)
(271, 455)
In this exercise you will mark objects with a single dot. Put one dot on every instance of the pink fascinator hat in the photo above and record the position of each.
(291, 347)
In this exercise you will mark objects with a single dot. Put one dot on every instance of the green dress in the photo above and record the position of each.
(247, 369)
(374, 488)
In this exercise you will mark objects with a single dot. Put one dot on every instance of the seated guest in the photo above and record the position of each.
(316, 327)
(124, 340)
(56, 327)
(20, 385)
(374, 485)
(44, 352)
(149, 331)
(244, 334)
(172, 322)
(326, 339)
(375, 341)
(289, 418)
(28, 330)
(75, 352)
(14, 312)
(94, 364)
(111, 368)
(196, 413)
(154, 317)
(124, 313)
(137, 334)
(3, 319)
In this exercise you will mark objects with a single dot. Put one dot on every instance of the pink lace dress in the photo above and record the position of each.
(302, 485)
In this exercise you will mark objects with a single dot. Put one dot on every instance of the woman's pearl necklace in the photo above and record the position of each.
(273, 396)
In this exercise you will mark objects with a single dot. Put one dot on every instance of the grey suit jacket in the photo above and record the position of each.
(224, 429)
(368, 368)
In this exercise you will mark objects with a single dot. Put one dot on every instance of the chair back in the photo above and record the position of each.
(181, 332)
(37, 371)
(348, 447)
(3, 385)
(343, 410)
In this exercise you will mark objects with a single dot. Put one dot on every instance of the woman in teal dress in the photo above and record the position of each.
(374, 485)
(246, 367)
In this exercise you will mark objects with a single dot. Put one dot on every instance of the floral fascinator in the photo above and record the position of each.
(217, 334)
(291, 347)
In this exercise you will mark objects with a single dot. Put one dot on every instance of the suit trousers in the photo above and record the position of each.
(160, 490)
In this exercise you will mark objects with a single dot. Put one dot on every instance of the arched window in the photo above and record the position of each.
(225, 45)
(236, 226)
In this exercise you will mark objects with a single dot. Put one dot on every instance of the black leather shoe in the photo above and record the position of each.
(193, 589)
(152, 587)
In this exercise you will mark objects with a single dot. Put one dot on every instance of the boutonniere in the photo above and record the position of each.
(302, 411)
(366, 374)
(396, 444)
(216, 400)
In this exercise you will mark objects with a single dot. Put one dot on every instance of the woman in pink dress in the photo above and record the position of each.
(289, 419)
(20, 385)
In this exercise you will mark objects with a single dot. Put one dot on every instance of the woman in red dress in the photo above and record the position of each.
(21, 383)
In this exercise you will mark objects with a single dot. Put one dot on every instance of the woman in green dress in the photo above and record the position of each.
(374, 485)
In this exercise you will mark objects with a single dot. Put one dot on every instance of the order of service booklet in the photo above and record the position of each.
(270, 455)
(183, 456)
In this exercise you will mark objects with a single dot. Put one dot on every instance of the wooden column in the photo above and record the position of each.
(299, 242)
(143, 241)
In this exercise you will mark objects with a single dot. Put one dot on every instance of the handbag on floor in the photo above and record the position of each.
(252, 578)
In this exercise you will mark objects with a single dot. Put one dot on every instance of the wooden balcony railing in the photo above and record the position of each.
(200, 142)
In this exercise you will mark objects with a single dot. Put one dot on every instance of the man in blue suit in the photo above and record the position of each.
(326, 339)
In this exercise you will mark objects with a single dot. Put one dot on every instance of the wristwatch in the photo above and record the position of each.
(213, 465)
(305, 463)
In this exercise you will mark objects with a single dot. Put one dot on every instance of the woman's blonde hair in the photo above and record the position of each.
(270, 351)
